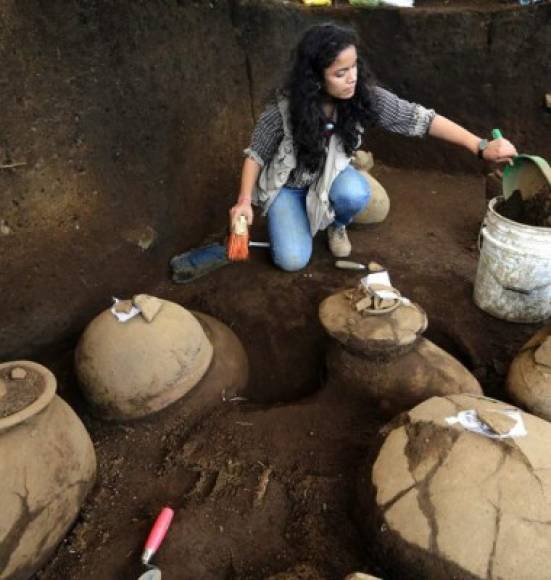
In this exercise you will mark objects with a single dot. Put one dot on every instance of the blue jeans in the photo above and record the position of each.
(288, 226)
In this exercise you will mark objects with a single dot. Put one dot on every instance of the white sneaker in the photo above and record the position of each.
(339, 244)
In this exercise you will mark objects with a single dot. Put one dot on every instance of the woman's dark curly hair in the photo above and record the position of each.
(315, 52)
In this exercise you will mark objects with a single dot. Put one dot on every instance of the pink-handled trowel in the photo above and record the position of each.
(154, 540)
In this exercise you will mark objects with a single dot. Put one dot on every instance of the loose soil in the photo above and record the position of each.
(535, 211)
(268, 485)
(18, 394)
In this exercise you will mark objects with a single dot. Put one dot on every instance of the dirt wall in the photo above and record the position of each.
(129, 117)
(125, 123)
(479, 66)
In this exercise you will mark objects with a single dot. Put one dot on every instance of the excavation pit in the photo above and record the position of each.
(126, 164)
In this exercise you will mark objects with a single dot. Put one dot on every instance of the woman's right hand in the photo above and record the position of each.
(242, 208)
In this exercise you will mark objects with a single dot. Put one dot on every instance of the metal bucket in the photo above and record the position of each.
(513, 280)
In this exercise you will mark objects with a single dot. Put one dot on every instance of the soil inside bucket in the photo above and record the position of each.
(535, 211)
(17, 394)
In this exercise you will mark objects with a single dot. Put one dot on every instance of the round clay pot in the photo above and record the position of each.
(398, 382)
(47, 467)
(132, 369)
(383, 358)
(362, 160)
(378, 207)
(361, 576)
(228, 372)
(529, 378)
(438, 501)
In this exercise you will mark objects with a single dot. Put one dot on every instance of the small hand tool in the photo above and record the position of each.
(154, 540)
(347, 265)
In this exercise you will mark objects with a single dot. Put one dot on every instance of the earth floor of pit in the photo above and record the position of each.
(260, 488)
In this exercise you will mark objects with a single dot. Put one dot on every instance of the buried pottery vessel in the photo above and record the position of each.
(132, 369)
(529, 378)
(378, 207)
(47, 467)
(228, 373)
(382, 357)
(460, 488)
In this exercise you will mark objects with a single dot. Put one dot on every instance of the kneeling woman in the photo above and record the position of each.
(297, 167)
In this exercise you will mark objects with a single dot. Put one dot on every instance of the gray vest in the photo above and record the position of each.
(274, 176)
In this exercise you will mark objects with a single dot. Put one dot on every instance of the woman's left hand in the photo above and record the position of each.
(500, 151)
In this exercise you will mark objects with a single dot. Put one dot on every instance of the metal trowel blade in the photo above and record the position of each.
(151, 575)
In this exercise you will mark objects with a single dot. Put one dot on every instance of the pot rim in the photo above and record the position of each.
(43, 400)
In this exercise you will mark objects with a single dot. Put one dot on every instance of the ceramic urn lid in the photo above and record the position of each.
(388, 332)
(132, 368)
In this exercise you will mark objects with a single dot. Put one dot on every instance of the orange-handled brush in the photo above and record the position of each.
(238, 240)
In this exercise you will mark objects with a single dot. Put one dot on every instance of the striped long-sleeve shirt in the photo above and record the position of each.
(391, 113)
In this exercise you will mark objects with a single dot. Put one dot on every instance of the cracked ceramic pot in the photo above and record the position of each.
(442, 501)
(529, 378)
(384, 359)
(47, 467)
(131, 369)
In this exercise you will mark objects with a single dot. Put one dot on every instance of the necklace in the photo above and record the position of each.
(329, 112)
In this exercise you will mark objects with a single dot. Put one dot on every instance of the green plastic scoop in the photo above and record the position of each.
(528, 174)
